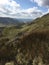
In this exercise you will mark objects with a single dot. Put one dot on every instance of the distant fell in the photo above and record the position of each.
(10, 21)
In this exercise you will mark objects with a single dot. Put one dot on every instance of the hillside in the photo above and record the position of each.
(5, 21)
(30, 46)
(39, 23)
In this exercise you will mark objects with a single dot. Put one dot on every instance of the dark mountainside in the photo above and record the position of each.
(4, 21)
(10, 21)
(30, 46)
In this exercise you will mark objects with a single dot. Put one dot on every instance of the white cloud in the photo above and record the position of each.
(31, 12)
(46, 12)
(10, 8)
(42, 3)
(9, 2)
(3, 2)
(10, 5)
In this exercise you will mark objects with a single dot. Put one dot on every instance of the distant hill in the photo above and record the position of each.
(25, 20)
(13, 21)
(9, 21)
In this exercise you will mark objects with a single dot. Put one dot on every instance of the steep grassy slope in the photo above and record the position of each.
(30, 46)
(40, 23)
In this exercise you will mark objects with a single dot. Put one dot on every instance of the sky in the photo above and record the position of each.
(23, 8)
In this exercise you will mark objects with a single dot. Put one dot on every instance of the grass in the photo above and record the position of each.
(34, 44)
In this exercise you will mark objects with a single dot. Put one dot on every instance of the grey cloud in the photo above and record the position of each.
(24, 12)
(42, 2)
(45, 2)
(16, 14)
(36, 13)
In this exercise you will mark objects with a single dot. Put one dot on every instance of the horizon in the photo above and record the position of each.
(23, 9)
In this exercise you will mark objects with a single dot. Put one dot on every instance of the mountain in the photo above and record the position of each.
(38, 24)
(9, 21)
(25, 20)
(29, 46)
(36, 40)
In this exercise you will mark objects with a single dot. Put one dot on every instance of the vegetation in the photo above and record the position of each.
(27, 45)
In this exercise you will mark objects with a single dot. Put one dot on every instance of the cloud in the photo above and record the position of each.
(41, 2)
(10, 8)
(9, 2)
(46, 12)
(32, 12)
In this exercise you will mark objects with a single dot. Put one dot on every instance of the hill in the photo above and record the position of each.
(5, 21)
(30, 46)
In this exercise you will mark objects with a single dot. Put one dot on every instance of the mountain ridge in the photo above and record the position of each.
(10, 21)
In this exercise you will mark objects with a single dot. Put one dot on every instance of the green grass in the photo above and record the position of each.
(34, 44)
